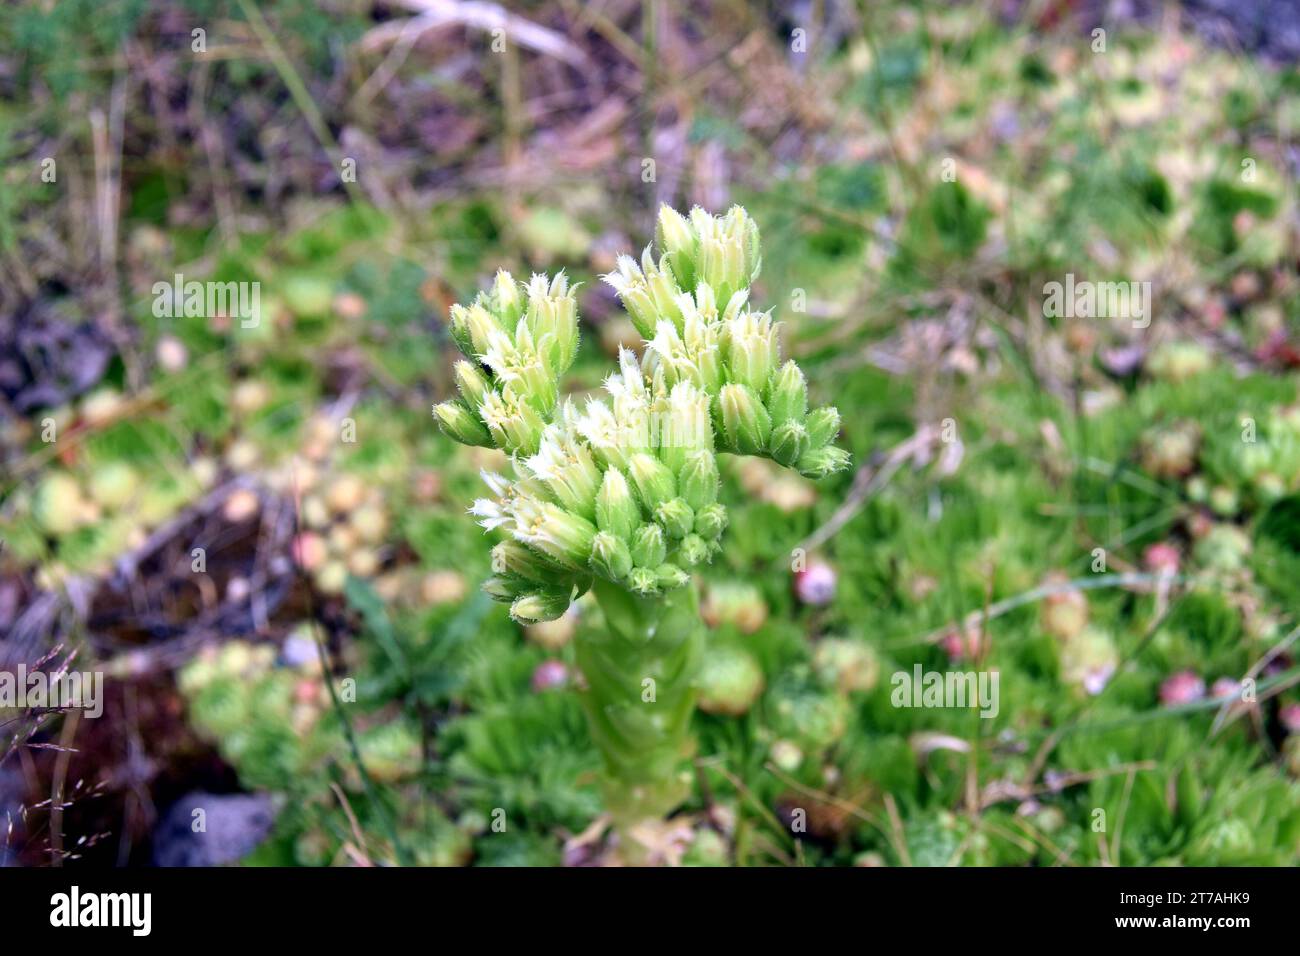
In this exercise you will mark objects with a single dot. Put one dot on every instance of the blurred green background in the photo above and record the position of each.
(1076, 503)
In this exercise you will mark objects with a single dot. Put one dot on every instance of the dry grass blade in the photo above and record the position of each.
(869, 480)
(438, 14)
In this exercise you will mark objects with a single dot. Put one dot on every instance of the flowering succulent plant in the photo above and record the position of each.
(621, 496)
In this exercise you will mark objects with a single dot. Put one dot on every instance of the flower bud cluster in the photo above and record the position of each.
(626, 488)
(518, 339)
(691, 305)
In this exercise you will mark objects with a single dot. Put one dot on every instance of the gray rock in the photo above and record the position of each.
(232, 826)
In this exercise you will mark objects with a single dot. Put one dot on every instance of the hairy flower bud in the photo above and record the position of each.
(460, 423)
(789, 442)
(501, 589)
(694, 550)
(472, 383)
(522, 367)
(652, 479)
(479, 326)
(507, 303)
(676, 516)
(560, 535)
(663, 287)
(552, 318)
(604, 434)
(649, 549)
(629, 284)
(728, 256)
(788, 401)
(751, 349)
(744, 419)
(721, 262)
(515, 426)
(610, 556)
(538, 606)
(698, 480)
(567, 467)
(649, 292)
(616, 509)
(710, 522)
(687, 426)
(458, 324)
(669, 576)
(738, 223)
(823, 425)
(676, 239)
(691, 353)
(643, 581)
(820, 462)
(514, 558)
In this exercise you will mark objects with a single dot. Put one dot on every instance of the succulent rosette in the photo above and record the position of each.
(622, 493)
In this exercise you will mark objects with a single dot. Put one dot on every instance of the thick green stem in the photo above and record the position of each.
(640, 673)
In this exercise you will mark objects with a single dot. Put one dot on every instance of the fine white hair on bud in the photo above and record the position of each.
(603, 434)
(523, 371)
(649, 546)
(820, 462)
(747, 424)
(788, 401)
(560, 535)
(616, 509)
(481, 325)
(711, 521)
(552, 321)
(472, 384)
(751, 349)
(643, 581)
(495, 482)
(676, 516)
(789, 442)
(627, 384)
(694, 550)
(727, 250)
(514, 424)
(463, 425)
(648, 291)
(823, 425)
(669, 576)
(519, 560)
(565, 463)
(610, 556)
(538, 606)
(685, 428)
(698, 479)
(629, 283)
(491, 513)
(676, 238)
(653, 480)
(506, 299)
(702, 304)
